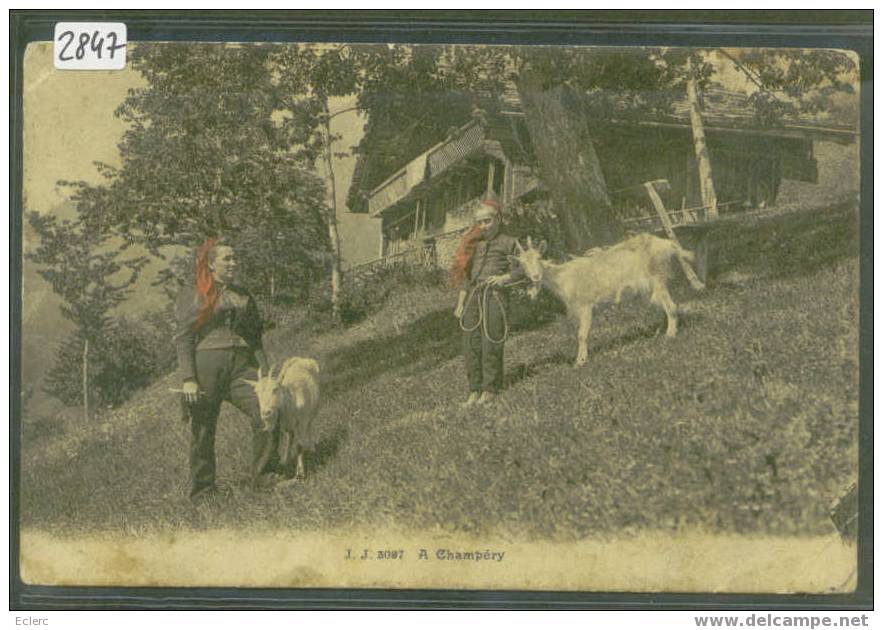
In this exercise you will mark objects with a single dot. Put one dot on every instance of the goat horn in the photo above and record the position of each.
(529, 243)
(259, 373)
(518, 245)
(270, 373)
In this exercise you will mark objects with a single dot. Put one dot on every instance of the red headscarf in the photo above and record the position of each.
(466, 249)
(205, 284)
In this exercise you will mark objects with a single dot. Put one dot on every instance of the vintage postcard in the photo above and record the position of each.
(539, 318)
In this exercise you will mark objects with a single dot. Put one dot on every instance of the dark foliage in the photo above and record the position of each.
(87, 270)
(366, 294)
(126, 357)
(207, 153)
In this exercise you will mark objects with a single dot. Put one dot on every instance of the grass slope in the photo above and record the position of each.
(747, 422)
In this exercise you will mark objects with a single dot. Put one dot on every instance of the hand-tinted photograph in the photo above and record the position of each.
(538, 318)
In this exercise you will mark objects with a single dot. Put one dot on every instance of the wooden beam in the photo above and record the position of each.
(417, 219)
(405, 217)
(668, 227)
(507, 182)
(706, 182)
(793, 132)
(491, 169)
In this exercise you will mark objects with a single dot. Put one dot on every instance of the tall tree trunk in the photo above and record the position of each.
(568, 163)
(332, 218)
(706, 182)
(274, 257)
(86, 380)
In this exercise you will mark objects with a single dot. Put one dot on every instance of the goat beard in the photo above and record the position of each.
(533, 291)
(269, 423)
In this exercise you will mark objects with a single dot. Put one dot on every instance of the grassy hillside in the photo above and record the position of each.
(746, 422)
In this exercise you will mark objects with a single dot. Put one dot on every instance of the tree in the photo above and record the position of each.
(86, 270)
(309, 77)
(794, 82)
(123, 359)
(206, 153)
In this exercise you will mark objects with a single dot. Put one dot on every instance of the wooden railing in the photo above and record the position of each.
(635, 210)
(650, 221)
(433, 252)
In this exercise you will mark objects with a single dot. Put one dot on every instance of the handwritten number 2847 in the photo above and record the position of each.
(94, 42)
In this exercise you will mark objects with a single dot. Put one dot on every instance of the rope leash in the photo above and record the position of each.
(482, 308)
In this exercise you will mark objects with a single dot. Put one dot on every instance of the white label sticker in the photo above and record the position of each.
(90, 46)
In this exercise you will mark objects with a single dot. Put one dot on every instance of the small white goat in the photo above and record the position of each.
(291, 400)
(640, 264)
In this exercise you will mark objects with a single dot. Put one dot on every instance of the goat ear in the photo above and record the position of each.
(252, 383)
(542, 247)
(513, 259)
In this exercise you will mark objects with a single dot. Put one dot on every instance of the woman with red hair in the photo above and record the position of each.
(483, 266)
(219, 344)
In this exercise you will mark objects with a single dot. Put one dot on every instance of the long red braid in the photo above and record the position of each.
(466, 249)
(465, 252)
(205, 284)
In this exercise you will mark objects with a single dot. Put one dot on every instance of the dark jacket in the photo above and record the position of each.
(491, 259)
(236, 322)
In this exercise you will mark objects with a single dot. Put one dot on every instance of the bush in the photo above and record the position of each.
(367, 293)
(126, 357)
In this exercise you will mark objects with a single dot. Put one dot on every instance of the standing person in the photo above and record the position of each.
(483, 265)
(218, 342)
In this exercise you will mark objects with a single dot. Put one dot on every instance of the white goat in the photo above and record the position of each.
(640, 264)
(291, 400)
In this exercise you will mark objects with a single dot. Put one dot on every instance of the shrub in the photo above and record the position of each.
(369, 291)
(126, 357)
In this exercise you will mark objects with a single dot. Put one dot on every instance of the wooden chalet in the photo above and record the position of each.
(427, 203)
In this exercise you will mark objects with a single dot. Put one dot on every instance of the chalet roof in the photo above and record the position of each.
(429, 164)
(722, 109)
